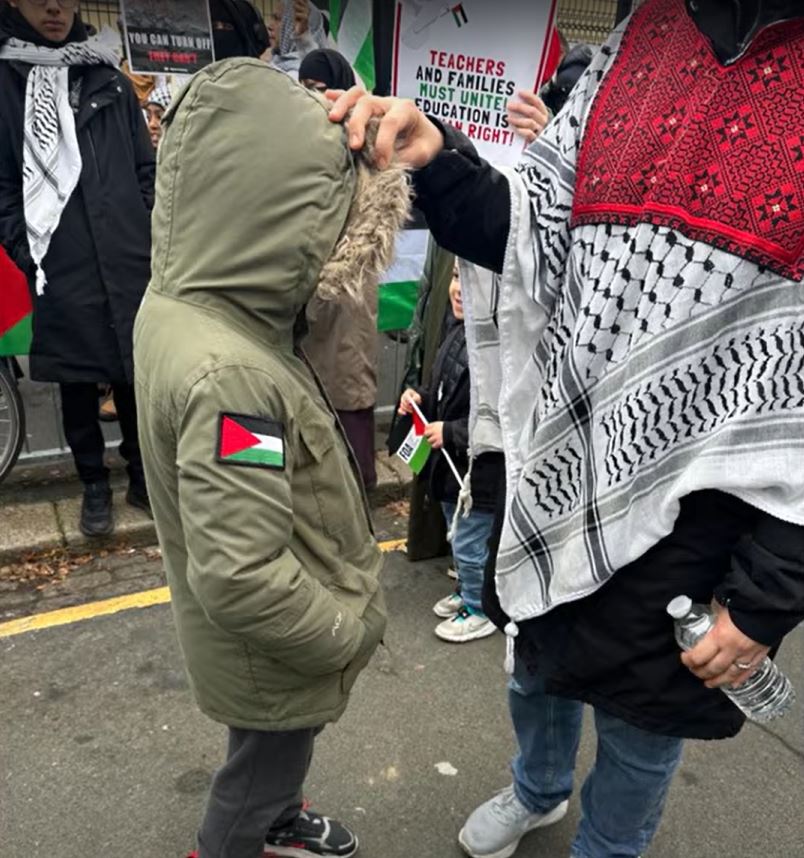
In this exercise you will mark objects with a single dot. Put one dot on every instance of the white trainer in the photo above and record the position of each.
(464, 627)
(447, 607)
(495, 828)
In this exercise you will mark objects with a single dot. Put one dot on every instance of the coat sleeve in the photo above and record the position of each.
(467, 203)
(456, 434)
(144, 155)
(13, 235)
(764, 591)
(237, 521)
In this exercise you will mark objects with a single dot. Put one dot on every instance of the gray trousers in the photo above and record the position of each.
(259, 788)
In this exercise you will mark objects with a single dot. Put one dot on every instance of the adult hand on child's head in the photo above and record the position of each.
(406, 400)
(528, 116)
(434, 433)
(404, 130)
(719, 657)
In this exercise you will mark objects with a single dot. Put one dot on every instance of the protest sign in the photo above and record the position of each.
(462, 63)
(167, 36)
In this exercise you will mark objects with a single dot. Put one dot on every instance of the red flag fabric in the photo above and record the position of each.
(553, 57)
(418, 423)
(15, 308)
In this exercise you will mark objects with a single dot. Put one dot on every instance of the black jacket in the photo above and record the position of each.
(605, 649)
(98, 264)
(446, 398)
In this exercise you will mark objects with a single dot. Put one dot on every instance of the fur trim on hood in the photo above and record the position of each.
(380, 208)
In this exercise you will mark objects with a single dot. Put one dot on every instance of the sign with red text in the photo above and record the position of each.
(167, 36)
(463, 62)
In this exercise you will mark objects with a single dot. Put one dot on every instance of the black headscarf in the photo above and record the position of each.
(247, 36)
(328, 67)
(13, 25)
(556, 92)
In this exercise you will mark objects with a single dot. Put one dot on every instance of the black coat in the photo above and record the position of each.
(447, 399)
(98, 264)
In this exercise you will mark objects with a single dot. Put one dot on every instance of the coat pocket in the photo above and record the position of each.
(374, 619)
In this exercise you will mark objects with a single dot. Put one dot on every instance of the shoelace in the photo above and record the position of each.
(303, 825)
(507, 808)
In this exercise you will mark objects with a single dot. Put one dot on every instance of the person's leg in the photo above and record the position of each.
(137, 494)
(79, 412)
(471, 548)
(548, 730)
(259, 786)
(624, 795)
(358, 426)
(79, 409)
(470, 551)
(130, 445)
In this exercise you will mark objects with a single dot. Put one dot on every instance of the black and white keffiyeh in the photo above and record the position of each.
(621, 368)
(51, 163)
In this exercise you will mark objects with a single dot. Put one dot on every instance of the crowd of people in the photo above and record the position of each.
(617, 378)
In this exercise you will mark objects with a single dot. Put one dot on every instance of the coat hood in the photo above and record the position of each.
(257, 192)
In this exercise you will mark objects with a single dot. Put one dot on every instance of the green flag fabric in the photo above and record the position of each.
(399, 287)
(415, 451)
(352, 30)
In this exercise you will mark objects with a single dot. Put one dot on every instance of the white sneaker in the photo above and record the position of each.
(465, 626)
(495, 828)
(451, 573)
(447, 607)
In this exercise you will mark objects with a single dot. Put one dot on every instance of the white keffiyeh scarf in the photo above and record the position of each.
(620, 368)
(51, 161)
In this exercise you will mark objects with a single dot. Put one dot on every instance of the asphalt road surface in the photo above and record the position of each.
(104, 755)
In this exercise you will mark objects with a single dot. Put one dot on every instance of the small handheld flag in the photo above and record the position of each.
(415, 454)
(415, 450)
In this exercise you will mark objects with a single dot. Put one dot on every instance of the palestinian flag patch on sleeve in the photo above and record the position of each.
(255, 442)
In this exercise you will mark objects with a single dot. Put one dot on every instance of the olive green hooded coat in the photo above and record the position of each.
(273, 570)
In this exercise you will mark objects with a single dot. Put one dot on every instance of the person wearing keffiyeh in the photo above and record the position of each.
(637, 356)
(76, 189)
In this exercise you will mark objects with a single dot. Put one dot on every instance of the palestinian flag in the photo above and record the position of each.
(252, 441)
(399, 286)
(415, 451)
(351, 26)
(16, 309)
(459, 13)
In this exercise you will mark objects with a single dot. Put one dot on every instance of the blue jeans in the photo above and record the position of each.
(470, 548)
(624, 794)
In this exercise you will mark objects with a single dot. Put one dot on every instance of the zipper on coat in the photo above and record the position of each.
(299, 352)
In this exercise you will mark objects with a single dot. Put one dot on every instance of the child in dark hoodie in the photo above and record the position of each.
(445, 403)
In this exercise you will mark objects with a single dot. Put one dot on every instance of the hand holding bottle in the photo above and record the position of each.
(725, 657)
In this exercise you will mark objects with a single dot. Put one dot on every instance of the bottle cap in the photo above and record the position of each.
(679, 607)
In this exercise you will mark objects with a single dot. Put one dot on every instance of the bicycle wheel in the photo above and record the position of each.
(12, 420)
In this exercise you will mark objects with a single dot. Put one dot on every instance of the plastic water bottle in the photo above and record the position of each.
(765, 695)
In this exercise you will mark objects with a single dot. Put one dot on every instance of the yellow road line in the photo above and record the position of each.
(106, 607)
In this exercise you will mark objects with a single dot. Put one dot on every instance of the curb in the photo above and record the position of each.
(40, 526)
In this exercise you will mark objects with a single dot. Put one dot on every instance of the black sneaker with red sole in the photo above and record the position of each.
(311, 835)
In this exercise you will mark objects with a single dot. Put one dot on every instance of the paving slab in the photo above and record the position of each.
(52, 522)
(28, 528)
(131, 526)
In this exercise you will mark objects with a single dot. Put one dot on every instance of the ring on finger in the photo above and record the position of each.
(743, 665)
